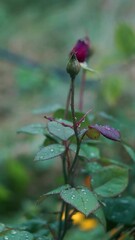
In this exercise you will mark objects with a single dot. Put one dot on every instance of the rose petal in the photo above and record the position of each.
(82, 49)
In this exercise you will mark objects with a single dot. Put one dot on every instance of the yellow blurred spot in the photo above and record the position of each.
(82, 222)
(63, 216)
(88, 224)
(77, 218)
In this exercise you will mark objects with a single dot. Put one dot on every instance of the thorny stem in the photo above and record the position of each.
(67, 155)
(82, 89)
(68, 176)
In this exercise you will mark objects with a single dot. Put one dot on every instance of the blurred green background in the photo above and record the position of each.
(35, 40)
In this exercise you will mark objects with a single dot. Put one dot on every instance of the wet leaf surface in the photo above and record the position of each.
(80, 198)
(49, 152)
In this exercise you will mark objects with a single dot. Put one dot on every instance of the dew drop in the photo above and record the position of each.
(107, 128)
(5, 238)
(52, 150)
(73, 196)
(110, 190)
(26, 237)
(84, 192)
(13, 232)
(92, 154)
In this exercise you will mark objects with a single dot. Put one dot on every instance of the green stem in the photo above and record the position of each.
(60, 230)
(68, 175)
(65, 221)
(60, 221)
(82, 90)
(64, 169)
(75, 130)
(68, 102)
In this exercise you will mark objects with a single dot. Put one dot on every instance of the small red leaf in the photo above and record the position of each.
(107, 132)
(93, 133)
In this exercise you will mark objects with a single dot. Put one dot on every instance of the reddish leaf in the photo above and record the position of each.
(107, 132)
(93, 133)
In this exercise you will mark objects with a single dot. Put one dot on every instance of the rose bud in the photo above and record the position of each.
(73, 66)
(82, 50)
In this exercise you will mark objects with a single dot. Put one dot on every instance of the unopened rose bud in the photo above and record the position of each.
(82, 49)
(73, 66)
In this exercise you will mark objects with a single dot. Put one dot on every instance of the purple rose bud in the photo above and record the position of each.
(82, 50)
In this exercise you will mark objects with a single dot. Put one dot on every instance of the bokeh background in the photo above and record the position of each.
(35, 40)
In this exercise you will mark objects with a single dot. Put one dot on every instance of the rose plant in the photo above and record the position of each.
(92, 184)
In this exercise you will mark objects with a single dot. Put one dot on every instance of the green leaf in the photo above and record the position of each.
(36, 128)
(34, 225)
(80, 198)
(97, 233)
(54, 192)
(90, 151)
(47, 109)
(2, 227)
(112, 89)
(125, 39)
(49, 152)
(93, 167)
(120, 210)
(60, 131)
(110, 181)
(130, 151)
(5, 193)
(107, 161)
(16, 235)
(86, 151)
(101, 216)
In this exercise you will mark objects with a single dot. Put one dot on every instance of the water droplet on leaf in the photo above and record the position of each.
(5, 238)
(13, 232)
